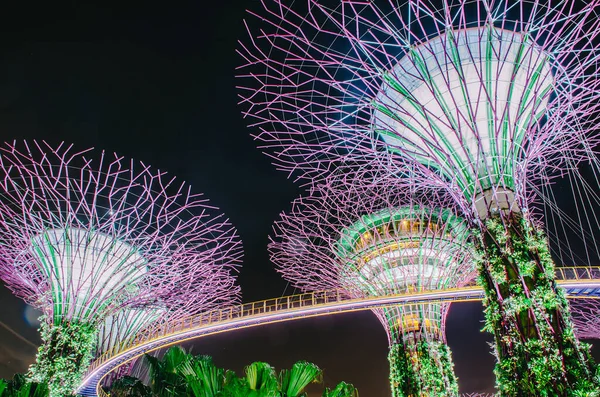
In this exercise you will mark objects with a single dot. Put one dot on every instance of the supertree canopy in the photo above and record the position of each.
(85, 240)
(366, 240)
(480, 99)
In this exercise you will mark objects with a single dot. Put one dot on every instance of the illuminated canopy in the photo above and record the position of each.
(480, 98)
(403, 249)
(462, 103)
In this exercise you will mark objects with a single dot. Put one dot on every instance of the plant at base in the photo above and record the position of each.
(20, 387)
(64, 355)
(260, 381)
(343, 389)
(167, 376)
(181, 374)
(203, 378)
(538, 353)
(128, 386)
(293, 381)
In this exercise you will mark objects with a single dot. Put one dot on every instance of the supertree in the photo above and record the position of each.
(366, 237)
(83, 239)
(481, 99)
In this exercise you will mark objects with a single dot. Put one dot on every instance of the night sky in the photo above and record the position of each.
(157, 84)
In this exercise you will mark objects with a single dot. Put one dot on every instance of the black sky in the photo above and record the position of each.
(156, 83)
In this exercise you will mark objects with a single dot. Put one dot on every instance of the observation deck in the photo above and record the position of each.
(579, 282)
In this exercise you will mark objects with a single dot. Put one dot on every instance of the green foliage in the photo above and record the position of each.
(128, 386)
(167, 374)
(20, 387)
(181, 374)
(203, 377)
(536, 348)
(261, 380)
(301, 375)
(64, 355)
(422, 368)
(403, 379)
(343, 389)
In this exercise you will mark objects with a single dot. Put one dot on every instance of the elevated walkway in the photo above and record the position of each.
(579, 282)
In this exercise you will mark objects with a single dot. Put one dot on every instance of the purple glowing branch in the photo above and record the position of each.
(585, 314)
(83, 238)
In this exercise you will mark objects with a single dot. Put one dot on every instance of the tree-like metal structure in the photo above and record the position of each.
(83, 240)
(479, 98)
(363, 238)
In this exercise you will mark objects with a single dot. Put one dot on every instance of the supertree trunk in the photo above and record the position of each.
(421, 368)
(538, 353)
(64, 355)
(420, 361)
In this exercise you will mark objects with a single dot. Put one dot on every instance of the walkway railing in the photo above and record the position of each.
(567, 274)
(292, 303)
(284, 303)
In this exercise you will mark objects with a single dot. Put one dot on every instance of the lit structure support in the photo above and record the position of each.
(479, 99)
(420, 360)
(368, 242)
(86, 241)
(527, 314)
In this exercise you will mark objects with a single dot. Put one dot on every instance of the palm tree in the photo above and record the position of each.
(180, 374)
(343, 389)
(259, 380)
(166, 375)
(203, 378)
(295, 380)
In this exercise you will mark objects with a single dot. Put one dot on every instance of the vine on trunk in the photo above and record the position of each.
(422, 368)
(537, 351)
(64, 355)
